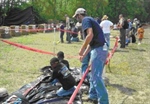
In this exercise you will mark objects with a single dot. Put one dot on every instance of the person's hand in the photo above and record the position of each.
(81, 51)
(118, 26)
(80, 58)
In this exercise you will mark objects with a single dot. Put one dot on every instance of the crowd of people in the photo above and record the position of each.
(127, 35)
(70, 29)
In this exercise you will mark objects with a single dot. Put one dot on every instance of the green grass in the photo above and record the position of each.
(129, 81)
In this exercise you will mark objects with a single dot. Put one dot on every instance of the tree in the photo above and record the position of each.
(56, 9)
(129, 8)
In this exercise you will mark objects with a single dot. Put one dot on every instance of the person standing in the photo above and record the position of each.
(128, 31)
(130, 24)
(94, 43)
(106, 25)
(68, 28)
(62, 32)
(122, 31)
(136, 23)
(140, 33)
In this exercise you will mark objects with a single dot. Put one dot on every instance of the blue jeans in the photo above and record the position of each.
(107, 38)
(97, 86)
(85, 63)
(74, 39)
(61, 92)
(54, 82)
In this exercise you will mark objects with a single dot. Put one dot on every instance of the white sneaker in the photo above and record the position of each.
(139, 43)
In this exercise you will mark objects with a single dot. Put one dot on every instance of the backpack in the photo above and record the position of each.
(126, 25)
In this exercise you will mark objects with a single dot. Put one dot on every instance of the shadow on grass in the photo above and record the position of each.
(121, 88)
(121, 50)
(135, 49)
(124, 90)
(145, 38)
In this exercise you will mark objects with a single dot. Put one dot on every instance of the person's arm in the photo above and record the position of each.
(87, 40)
(101, 24)
(130, 25)
(86, 47)
(66, 62)
(52, 78)
(68, 65)
(54, 75)
(120, 24)
(87, 50)
(111, 25)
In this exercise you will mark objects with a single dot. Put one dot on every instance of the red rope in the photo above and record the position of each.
(78, 87)
(45, 52)
(27, 48)
(110, 54)
(33, 49)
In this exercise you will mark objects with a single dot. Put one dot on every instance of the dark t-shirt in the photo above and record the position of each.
(62, 28)
(66, 63)
(98, 38)
(64, 76)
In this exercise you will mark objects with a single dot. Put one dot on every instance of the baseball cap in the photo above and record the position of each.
(79, 11)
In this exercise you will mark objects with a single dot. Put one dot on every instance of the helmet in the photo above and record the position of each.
(3, 92)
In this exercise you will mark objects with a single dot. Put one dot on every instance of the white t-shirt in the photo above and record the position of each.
(105, 25)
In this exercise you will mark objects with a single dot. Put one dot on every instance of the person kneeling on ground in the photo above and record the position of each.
(63, 75)
(74, 33)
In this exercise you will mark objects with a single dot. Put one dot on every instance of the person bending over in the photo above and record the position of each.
(63, 75)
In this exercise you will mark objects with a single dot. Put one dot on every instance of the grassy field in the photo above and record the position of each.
(129, 81)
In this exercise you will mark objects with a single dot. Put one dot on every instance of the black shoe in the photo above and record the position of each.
(122, 46)
(68, 42)
(92, 101)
